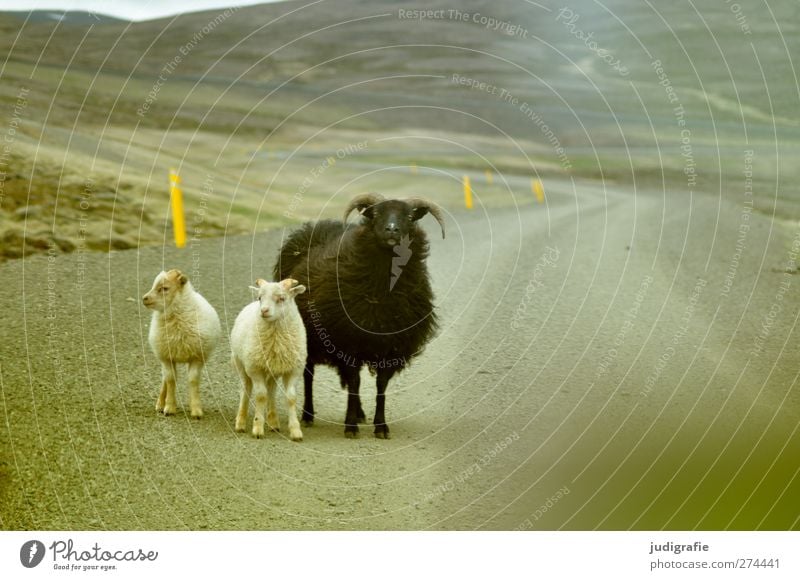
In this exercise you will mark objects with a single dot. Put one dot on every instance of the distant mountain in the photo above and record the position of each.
(63, 16)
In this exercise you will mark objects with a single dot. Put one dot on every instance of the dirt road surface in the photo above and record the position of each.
(607, 360)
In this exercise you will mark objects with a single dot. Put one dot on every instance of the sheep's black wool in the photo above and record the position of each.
(369, 300)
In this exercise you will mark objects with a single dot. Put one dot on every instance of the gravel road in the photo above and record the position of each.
(607, 360)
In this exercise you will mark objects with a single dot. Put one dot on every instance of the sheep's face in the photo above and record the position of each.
(276, 298)
(166, 287)
(393, 221)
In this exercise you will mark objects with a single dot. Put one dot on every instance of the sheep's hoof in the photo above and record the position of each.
(351, 431)
(308, 418)
(382, 431)
(258, 433)
(197, 414)
(296, 435)
(168, 410)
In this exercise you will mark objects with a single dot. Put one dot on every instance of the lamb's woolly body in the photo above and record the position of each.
(275, 347)
(184, 328)
(188, 330)
(268, 343)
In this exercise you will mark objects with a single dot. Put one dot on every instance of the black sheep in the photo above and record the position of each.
(369, 300)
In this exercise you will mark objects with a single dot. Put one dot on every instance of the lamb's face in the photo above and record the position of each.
(166, 287)
(276, 298)
(393, 221)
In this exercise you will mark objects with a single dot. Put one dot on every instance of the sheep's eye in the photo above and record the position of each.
(280, 298)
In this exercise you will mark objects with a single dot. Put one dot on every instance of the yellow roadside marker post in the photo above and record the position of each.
(176, 201)
(489, 177)
(467, 192)
(538, 190)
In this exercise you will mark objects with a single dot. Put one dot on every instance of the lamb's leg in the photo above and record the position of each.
(289, 380)
(170, 373)
(195, 373)
(381, 428)
(272, 409)
(352, 377)
(308, 401)
(260, 404)
(162, 396)
(244, 400)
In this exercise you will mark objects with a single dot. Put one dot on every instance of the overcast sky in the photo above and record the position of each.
(128, 9)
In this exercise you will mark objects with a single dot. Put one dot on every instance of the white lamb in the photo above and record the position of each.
(268, 341)
(185, 329)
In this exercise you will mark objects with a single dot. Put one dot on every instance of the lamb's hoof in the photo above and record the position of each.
(258, 432)
(382, 431)
(296, 435)
(168, 410)
(197, 413)
(351, 431)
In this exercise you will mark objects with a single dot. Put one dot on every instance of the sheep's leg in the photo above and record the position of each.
(260, 404)
(170, 376)
(353, 379)
(244, 400)
(289, 380)
(381, 428)
(272, 409)
(360, 415)
(195, 373)
(308, 401)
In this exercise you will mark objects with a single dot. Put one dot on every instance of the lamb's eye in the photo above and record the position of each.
(280, 299)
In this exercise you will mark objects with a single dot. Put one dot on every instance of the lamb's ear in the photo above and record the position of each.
(178, 276)
(260, 282)
(299, 289)
(363, 203)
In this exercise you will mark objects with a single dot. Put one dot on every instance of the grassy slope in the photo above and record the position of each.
(257, 104)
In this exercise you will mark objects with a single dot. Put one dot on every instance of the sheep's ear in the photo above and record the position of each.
(419, 213)
(182, 279)
(288, 283)
(421, 207)
(299, 289)
(260, 282)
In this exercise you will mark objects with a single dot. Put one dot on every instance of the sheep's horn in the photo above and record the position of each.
(289, 283)
(435, 211)
(362, 202)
